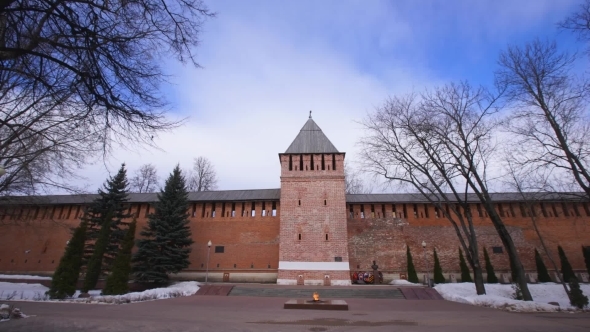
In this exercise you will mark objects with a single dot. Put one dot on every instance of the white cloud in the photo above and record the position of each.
(266, 66)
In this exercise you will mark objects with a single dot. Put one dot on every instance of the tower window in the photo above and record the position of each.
(323, 163)
(299, 202)
(274, 209)
(301, 162)
(311, 165)
(326, 237)
(299, 237)
(219, 249)
(325, 202)
(333, 162)
(290, 162)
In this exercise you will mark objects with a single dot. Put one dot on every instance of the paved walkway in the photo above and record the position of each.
(260, 314)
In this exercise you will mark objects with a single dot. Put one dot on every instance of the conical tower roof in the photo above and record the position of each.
(311, 139)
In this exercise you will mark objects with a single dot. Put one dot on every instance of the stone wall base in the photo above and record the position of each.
(316, 278)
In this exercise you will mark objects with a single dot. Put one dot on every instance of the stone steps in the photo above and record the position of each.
(325, 293)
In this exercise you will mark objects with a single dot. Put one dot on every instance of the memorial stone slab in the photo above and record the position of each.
(531, 278)
(583, 277)
(504, 278)
(453, 278)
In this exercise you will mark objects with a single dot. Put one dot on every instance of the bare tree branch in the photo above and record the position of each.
(353, 181)
(78, 76)
(550, 118)
(144, 180)
(202, 177)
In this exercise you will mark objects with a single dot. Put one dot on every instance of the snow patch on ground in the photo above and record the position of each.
(22, 276)
(21, 292)
(36, 292)
(500, 296)
(402, 282)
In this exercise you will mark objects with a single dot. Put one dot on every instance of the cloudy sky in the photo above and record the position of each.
(265, 64)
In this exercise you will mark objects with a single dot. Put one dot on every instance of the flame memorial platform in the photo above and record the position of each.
(316, 305)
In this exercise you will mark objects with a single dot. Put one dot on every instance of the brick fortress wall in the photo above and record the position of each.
(375, 237)
(250, 240)
(33, 239)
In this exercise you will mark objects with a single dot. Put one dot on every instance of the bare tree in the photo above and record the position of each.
(532, 186)
(353, 181)
(401, 146)
(579, 22)
(466, 130)
(144, 180)
(77, 77)
(550, 117)
(202, 177)
(440, 142)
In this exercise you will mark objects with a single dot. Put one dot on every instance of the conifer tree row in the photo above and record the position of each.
(65, 277)
(465, 275)
(491, 274)
(586, 252)
(94, 267)
(412, 276)
(117, 282)
(166, 240)
(439, 278)
(109, 208)
(542, 273)
(566, 267)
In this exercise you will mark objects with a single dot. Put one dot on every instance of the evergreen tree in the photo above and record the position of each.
(166, 240)
(491, 279)
(65, 278)
(93, 269)
(438, 273)
(412, 276)
(111, 206)
(465, 275)
(586, 251)
(117, 282)
(577, 297)
(542, 273)
(566, 268)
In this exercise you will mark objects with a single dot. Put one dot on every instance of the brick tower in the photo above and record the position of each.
(313, 247)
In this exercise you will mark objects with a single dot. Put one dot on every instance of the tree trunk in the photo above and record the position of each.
(478, 279)
(512, 254)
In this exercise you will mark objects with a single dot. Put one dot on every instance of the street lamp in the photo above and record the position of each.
(425, 263)
(208, 252)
